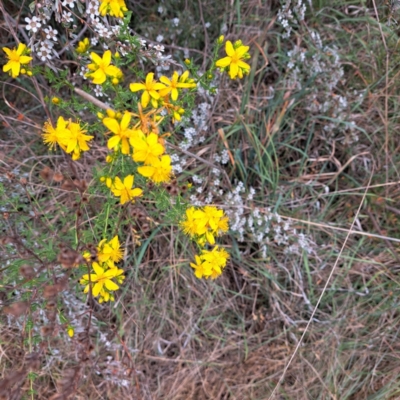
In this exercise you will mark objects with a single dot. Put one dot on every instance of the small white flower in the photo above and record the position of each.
(207, 24)
(115, 29)
(51, 33)
(67, 16)
(98, 91)
(46, 44)
(94, 41)
(160, 10)
(33, 24)
(159, 38)
(159, 48)
(69, 3)
(44, 17)
(175, 21)
(93, 9)
(44, 54)
(84, 70)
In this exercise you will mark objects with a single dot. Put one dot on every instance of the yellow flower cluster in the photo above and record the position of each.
(115, 8)
(210, 263)
(202, 225)
(68, 135)
(146, 149)
(160, 93)
(16, 58)
(106, 276)
(233, 62)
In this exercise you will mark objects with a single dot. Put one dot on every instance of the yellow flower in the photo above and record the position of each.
(201, 268)
(149, 87)
(71, 331)
(55, 100)
(203, 224)
(76, 141)
(16, 57)
(210, 263)
(101, 68)
(115, 8)
(173, 85)
(146, 149)
(53, 136)
(190, 225)
(102, 280)
(234, 59)
(122, 133)
(83, 46)
(124, 189)
(159, 171)
(109, 252)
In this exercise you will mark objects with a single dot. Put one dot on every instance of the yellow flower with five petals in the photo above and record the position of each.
(159, 171)
(101, 279)
(16, 58)
(234, 60)
(121, 132)
(101, 68)
(150, 90)
(146, 149)
(173, 84)
(124, 189)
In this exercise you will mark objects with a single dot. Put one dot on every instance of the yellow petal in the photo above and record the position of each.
(135, 87)
(136, 192)
(230, 51)
(165, 80)
(97, 288)
(110, 285)
(223, 62)
(107, 57)
(96, 58)
(97, 269)
(145, 99)
(113, 142)
(241, 51)
(112, 125)
(128, 181)
(146, 171)
(125, 121)
(233, 71)
(149, 78)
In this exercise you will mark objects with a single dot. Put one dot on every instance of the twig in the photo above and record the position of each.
(92, 99)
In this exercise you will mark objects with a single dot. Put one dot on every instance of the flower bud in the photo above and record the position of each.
(111, 113)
